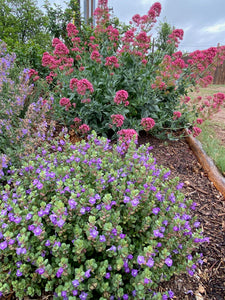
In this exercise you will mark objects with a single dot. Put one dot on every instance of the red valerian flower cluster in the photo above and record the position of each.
(121, 96)
(147, 123)
(117, 120)
(82, 86)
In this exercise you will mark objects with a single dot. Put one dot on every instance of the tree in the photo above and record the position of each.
(23, 26)
(164, 30)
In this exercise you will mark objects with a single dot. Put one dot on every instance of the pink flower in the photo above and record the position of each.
(177, 115)
(32, 72)
(77, 120)
(61, 49)
(112, 61)
(71, 30)
(81, 86)
(64, 101)
(126, 135)
(199, 121)
(36, 78)
(147, 123)
(84, 128)
(117, 120)
(196, 131)
(121, 96)
(95, 55)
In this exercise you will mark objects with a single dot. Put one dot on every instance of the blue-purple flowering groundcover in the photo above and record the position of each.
(92, 221)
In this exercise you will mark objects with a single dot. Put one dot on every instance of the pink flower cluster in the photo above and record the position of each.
(65, 102)
(61, 49)
(34, 74)
(121, 96)
(196, 131)
(96, 56)
(84, 128)
(176, 115)
(176, 36)
(117, 120)
(147, 123)
(126, 136)
(82, 86)
(112, 61)
(72, 30)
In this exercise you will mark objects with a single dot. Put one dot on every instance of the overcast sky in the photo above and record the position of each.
(203, 21)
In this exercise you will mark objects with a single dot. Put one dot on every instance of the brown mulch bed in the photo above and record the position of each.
(208, 283)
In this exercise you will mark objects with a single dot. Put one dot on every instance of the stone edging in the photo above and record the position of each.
(207, 163)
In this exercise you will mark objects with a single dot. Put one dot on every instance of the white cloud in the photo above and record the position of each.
(215, 28)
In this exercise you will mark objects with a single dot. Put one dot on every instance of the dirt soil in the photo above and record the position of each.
(208, 283)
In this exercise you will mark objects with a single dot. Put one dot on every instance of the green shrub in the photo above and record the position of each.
(94, 221)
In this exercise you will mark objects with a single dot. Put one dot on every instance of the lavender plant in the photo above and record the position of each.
(23, 123)
(94, 221)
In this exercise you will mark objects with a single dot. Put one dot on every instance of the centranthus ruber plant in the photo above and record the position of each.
(115, 72)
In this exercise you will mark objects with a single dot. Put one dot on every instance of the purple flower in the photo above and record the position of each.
(37, 231)
(130, 256)
(29, 216)
(19, 273)
(113, 248)
(87, 274)
(168, 262)
(102, 238)
(3, 245)
(122, 235)
(134, 272)
(157, 233)
(59, 272)
(83, 296)
(82, 210)
(107, 275)
(93, 233)
(75, 292)
(39, 185)
(125, 296)
(126, 199)
(17, 220)
(40, 271)
(140, 260)
(196, 224)
(60, 223)
(114, 231)
(135, 202)
(150, 263)
(171, 294)
(189, 257)
(92, 200)
(47, 243)
(75, 283)
(63, 293)
(146, 281)
(158, 196)
(179, 186)
(156, 210)
(134, 293)
(164, 297)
